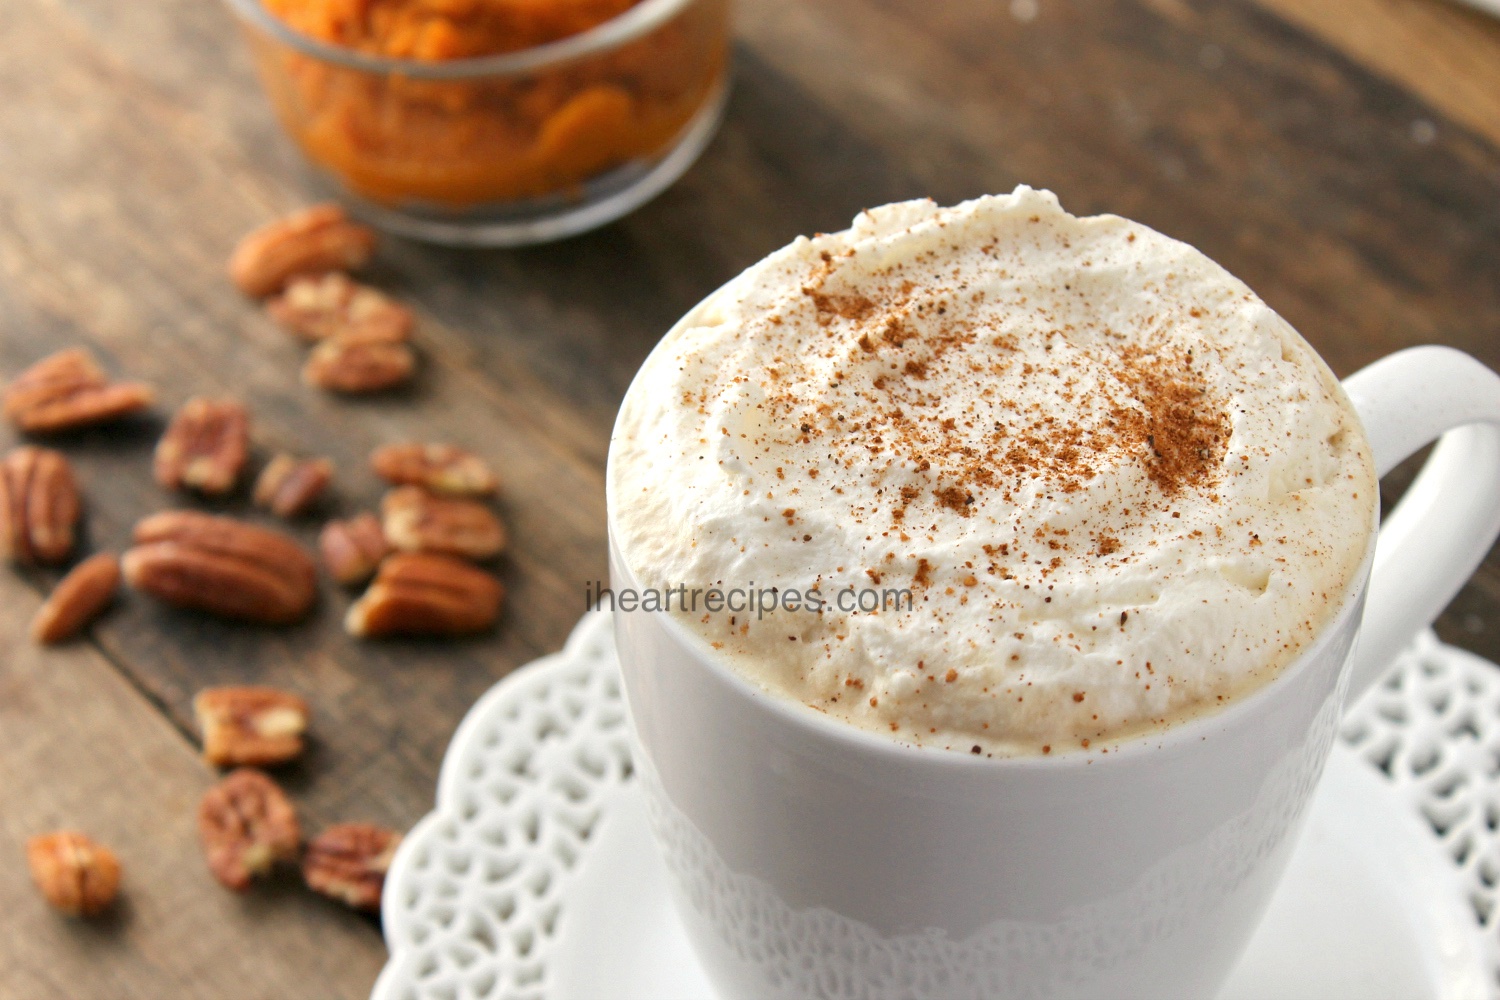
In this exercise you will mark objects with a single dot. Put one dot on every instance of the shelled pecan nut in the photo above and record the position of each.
(353, 548)
(204, 447)
(416, 521)
(441, 468)
(290, 486)
(247, 825)
(39, 506)
(68, 390)
(77, 599)
(222, 566)
(256, 726)
(77, 875)
(311, 241)
(349, 861)
(52, 378)
(353, 367)
(426, 594)
(316, 307)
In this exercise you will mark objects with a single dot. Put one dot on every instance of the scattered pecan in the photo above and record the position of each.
(39, 506)
(312, 241)
(289, 486)
(348, 862)
(247, 825)
(441, 468)
(353, 548)
(416, 521)
(77, 599)
(257, 726)
(204, 447)
(347, 365)
(334, 305)
(426, 594)
(79, 876)
(222, 566)
(68, 390)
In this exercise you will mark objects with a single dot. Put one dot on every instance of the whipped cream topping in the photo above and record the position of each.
(1116, 487)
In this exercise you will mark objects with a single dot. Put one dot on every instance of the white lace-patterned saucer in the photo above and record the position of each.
(535, 877)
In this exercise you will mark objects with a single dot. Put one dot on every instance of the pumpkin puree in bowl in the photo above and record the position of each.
(394, 138)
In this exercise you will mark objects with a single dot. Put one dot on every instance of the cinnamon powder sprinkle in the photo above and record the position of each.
(1154, 406)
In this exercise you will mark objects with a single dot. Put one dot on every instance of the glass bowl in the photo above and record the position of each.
(510, 149)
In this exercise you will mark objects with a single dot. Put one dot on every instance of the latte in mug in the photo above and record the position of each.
(1038, 483)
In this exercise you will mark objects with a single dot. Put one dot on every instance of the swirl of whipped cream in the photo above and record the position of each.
(1116, 488)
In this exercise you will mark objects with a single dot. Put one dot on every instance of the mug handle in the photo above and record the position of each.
(1438, 534)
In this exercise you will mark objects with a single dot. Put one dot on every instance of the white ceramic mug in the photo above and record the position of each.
(813, 859)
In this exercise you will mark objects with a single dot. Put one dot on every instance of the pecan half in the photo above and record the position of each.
(204, 447)
(68, 390)
(352, 366)
(353, 548)
(222, 566)
(416, 521)
(311, 241)
(258, 726)
(426, 594)
(334, 305)
(39, 506)
(77, 875)
(289, 486)
(77, 599)
(348, 862)
(247, 825)
(441, 468)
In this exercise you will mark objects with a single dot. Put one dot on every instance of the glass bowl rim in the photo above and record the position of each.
(618, 30)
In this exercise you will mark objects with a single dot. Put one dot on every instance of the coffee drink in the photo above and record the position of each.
(993, 478)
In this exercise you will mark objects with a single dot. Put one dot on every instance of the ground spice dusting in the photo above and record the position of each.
(855, 307)
(1186, 431)
(955, 498)
(1155, 407)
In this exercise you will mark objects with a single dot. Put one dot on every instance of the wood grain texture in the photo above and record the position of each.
(135, 148)
(1446, 54)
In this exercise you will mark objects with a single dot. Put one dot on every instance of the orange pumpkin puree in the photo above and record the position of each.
(460, 143)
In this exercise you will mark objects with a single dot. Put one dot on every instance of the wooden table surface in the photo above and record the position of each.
(1342, 156)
